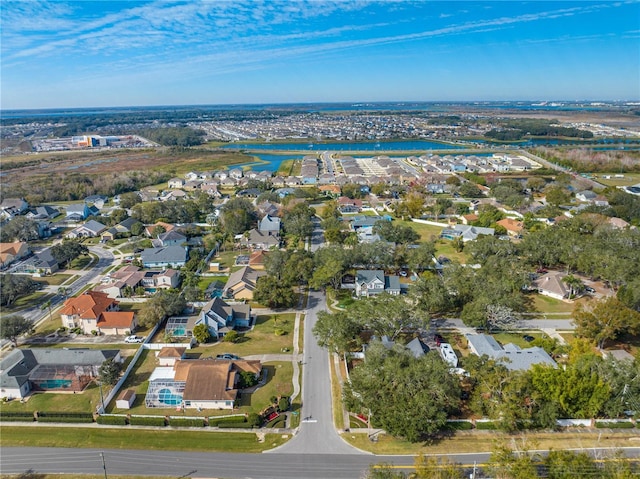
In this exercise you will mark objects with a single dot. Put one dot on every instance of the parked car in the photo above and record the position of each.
(528, 338)
(227, 356)
(438, 339)
(133, 339)
(589, 289)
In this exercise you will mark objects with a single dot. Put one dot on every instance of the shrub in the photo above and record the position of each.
(17, 416)
(64, 419)
(65, 415)
(254, 420)
(458, 426)
(112, 420)
(279, 332)
(226, 425)
(615, 424)
(215, 421)
(486, 425)
(148, 421)
(186, 422)
(283, 404)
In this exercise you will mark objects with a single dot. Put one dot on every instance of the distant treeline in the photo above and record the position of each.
(178, 136)
(583, 160)
(517, 129)
(76, 186)
(92, 121)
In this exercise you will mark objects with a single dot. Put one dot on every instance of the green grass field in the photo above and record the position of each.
(85, 401)
(55, 279)
(123, 438)
(629, 179)
(260, 340)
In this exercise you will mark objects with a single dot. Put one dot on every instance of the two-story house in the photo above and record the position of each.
(374, 282)
(95, 311)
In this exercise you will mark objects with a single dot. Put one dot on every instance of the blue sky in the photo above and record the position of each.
(110, 53)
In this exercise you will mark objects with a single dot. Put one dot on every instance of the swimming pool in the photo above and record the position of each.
(165, 396)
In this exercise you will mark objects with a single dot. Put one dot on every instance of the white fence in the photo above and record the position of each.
(432, 223)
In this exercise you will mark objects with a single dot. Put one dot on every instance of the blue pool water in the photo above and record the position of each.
(165, 396)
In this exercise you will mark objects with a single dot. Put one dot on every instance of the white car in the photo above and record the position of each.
(133, 339)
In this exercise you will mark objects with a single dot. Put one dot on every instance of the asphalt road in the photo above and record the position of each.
(317, 434)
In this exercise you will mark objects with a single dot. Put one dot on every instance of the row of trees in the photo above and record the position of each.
(506, 462)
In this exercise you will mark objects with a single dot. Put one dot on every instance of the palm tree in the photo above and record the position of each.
(575, 284)
(47, 305)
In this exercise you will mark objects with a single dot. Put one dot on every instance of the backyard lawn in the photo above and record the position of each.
(260, 340)
(85, 401)
(505, 338)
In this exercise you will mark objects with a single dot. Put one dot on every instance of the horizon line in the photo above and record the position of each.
(351, 103)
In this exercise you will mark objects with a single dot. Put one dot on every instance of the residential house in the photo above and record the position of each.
(43, 213)
(150, 230)
(466, 232)
(417, 347)
(122, 229)
(198, 384)
(10, 252)
(258, 240)
(80, 211)
(165, 279)
(269, 225)
(512, 356)
(586, 195)
(170, 355)
(164, 257)
(268, 208)
(95, 311)
(242, 283)
(39, 264)
(173, 195)
(11, 207)
(221, 317)
(116, 284)
(170, 238)
(236, 173)
(551, 284)
(23, 371)
(374, 282)
(330, 190)
(90, 229)
(175, 183)
(348, 205)
(513, 227)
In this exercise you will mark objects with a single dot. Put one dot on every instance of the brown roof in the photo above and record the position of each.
(127, 394)
(205, 380)
(116, 319)
(171, 352)
(88, 305)
(511, 225)
(257, 257)
(211, 380)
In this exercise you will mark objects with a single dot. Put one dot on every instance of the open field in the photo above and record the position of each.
(125, 438)
(485, 441)
(628, 179)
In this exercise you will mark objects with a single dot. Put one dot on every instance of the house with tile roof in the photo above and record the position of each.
(170, 355)
(95, 311)
(199, 384)
(513, 227)
(10, 252)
